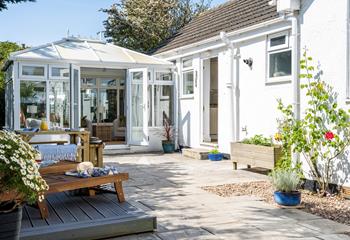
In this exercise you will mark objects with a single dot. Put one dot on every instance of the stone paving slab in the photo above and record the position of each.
(169, 186)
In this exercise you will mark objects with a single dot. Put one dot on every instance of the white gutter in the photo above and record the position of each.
(234, 85)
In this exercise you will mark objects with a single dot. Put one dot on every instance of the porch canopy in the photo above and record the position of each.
(88, 52)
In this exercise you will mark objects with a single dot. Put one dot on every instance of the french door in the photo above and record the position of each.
(137, 107)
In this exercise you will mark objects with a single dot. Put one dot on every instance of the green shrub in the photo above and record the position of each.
(259, 140)
(214, 151)
(285, 180)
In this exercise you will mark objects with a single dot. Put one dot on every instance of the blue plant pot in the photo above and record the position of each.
(215, 157)
(287, 198)
(168, 147)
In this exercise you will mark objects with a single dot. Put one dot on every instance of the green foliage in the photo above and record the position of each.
(5, 49)
(258, 140)
(3, 3)
(214, 151)
(142, 25)
(323, 133)
(285, 180)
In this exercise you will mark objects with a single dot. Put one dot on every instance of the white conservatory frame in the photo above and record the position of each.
(88, 54)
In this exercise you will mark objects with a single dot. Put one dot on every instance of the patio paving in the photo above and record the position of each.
(168, 186)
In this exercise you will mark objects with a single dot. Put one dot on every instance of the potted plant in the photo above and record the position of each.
(20, 182)
(258, 151)
(286, 183)
(168, 144)
(215, 155)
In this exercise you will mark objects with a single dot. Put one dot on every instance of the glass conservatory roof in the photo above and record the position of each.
(87, 51)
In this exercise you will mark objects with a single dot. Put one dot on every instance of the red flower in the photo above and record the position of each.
(329, 135)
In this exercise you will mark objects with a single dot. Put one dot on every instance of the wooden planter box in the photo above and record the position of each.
(255, 155)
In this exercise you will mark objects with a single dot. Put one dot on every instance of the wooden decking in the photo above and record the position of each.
(84, 217)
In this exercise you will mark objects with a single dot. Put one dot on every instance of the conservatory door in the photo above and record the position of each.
(137, 107)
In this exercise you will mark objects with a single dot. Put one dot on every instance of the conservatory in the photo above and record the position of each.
(120, 95)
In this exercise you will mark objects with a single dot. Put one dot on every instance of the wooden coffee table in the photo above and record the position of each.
(58, 182)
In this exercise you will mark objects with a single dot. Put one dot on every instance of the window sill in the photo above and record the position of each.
(273, 81)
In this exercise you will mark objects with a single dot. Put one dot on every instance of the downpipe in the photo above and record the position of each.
(234, 85)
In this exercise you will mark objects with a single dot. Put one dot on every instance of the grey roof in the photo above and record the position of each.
(228, 17)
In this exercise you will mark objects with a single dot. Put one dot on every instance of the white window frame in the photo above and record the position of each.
(185, 70)
(277, 49)
(32, 77)
(60, 77)
(152, 82)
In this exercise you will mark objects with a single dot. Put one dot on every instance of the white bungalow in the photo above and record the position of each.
(119, 94)
(235, 60)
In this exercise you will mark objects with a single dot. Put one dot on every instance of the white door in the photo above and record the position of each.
(137, 107)
(75, 95)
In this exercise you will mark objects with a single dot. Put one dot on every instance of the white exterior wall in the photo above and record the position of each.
(323, 29)
(259, 98)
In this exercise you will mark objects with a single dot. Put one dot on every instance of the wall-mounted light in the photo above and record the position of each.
(249, 62)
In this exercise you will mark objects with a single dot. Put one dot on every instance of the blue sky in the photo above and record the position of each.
(48, 20)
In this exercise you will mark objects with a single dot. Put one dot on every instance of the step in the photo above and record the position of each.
(195, 153)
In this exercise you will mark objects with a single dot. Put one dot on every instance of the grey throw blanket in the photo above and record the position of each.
(51, 154)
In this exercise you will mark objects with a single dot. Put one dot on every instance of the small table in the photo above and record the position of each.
(58, 182)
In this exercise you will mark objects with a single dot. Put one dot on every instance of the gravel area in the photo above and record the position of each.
(333, 208)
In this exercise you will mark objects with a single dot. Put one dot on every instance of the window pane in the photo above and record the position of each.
(187, 83)
(280, 64)
(121, 102)
(187, 63)
(59, 103)
(89, 81)
(33, 103)
(277, 41)
(33, 71)
(108, 111)
(149, 103)
(137, 76)
(164, 76)
(59, 72)
(163, 104)
(89, 106)
(108, 82)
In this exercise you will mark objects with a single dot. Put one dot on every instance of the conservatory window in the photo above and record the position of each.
(279, 57)
(33, 103)
(59, 99)
(161, 98)
(59, 72)
(33, 71)
(164, 76)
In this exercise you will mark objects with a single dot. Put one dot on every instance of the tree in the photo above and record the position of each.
(323, 134)
(5, 49)
(142, 25)
(3, 3)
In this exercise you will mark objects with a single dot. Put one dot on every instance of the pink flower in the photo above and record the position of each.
(329, 135)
